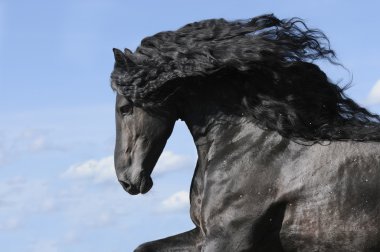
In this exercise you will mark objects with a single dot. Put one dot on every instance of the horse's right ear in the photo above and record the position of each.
(120, 58)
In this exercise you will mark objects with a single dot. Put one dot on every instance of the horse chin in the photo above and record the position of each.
(146, 184)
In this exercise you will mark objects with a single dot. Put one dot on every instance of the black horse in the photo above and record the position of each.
(286, 162)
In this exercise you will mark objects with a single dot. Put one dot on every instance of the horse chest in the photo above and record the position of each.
(230, 194)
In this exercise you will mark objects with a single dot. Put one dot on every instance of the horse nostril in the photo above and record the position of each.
(126, 184)
(129, 187)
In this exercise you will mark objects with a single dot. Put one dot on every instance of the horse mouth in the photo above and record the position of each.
(146, 184)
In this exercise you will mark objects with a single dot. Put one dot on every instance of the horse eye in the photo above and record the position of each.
(126, 110)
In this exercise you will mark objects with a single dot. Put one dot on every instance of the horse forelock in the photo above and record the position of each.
(302, 101)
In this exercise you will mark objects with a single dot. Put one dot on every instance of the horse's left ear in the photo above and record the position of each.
(124, 59)
(120, 58)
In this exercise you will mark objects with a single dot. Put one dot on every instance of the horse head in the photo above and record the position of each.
(140, 136)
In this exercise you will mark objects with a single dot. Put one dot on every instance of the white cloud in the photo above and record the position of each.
(102, 170)
(10, 224)
(45, 246)
(38, 143)
(14, 145)
(77, 208)
(23, 196)
(30, 140)
(71, 237)
(34, 140)
(2, 155)
(97, 170)
(170, 161)
(102, 220)
(374, 94)
(178, 201)
(48, 205)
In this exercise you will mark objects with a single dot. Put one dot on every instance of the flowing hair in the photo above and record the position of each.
(282, 88)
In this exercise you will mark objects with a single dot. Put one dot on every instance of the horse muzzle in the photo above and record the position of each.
(142, 186)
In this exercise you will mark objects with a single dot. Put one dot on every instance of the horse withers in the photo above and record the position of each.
(286, 162)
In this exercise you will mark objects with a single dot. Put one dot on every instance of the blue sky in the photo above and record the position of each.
(57, 187)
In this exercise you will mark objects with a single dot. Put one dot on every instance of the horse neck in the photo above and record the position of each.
(213, 132)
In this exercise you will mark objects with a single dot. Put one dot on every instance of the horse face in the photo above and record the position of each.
(140, 139)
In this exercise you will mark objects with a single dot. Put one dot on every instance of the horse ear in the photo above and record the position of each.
(120, 58)
(125, 59)
(127, 51)
(130, 58)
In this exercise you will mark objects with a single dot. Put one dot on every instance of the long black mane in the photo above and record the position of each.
(283, 89)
